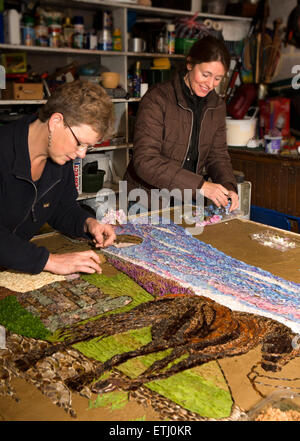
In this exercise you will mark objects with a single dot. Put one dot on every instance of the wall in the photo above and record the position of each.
(290, 54)
(280, 8)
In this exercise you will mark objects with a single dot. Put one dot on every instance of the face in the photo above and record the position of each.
(68, 141)
(204, 77)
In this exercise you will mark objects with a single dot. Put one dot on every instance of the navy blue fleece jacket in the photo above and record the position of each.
(25, 205)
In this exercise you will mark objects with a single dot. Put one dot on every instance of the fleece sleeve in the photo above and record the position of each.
(21, 255)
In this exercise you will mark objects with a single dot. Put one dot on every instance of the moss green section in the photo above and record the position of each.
(19, 321)
(205, 393)
(119, 285)
(113, 400)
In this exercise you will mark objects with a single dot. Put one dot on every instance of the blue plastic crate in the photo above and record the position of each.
(271, 217)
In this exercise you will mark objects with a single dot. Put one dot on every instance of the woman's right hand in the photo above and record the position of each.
(69, 263)
(216, 192)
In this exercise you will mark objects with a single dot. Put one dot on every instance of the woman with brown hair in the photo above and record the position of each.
(37, 180)
(180, 131)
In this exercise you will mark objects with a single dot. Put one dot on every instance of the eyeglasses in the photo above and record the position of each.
(80, 147)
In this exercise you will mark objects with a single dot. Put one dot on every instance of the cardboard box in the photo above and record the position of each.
(274, 114)
(23, 91)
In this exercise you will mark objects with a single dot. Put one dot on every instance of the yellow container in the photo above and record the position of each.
(15, 62)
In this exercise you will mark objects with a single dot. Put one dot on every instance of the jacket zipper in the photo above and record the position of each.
(34, 202)
(50, 188)
(187, 149)
(208, 108)
(190, 110)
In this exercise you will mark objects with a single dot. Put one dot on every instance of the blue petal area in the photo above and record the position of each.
(170, 252)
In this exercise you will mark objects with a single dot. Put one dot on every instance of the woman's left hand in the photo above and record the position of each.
(234, 200)
(103, 234)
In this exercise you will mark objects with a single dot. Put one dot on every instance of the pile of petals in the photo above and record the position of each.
(114, 217)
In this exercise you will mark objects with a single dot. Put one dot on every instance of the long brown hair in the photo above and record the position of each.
(209, 49)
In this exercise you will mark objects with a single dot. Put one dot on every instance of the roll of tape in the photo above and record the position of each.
(217, 26)
(208, 23)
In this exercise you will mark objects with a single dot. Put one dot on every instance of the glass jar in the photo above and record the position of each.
(55, 35)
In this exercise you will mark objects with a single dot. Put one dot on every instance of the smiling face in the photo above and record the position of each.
(204, 77)
(64, 140)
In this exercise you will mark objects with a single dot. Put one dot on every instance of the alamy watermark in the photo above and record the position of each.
(2, 337)
(296, 78)
(296, 342)
(160, 206)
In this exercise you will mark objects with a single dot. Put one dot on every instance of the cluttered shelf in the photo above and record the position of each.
(68, 50)
(158, 10)
(40, 102)
(105, 191)
(113, 147)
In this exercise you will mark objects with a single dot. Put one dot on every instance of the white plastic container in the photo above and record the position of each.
(240, 131)
(196, 5)
(12, 29)
(273, 144)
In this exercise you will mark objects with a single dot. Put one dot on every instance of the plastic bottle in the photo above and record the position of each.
(160, 44)
(130, 83)
(12, 33)
(78, 37)
(93, 40)
(41, 32)
(137, 80)
(170, 39)
(117, 39)
(68, 32)
(107, 20)
(105, 40)
(28, 31)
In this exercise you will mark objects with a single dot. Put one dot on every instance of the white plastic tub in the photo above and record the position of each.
(240, 131)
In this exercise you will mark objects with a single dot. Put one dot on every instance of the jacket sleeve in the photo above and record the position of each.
(218, 163)
(149, 163)
(69, 218)
(21, 255)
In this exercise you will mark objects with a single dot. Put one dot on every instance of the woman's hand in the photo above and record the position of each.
(215, 192)
(103, 234)
(83, 261)
(220, 195)
(234, 200)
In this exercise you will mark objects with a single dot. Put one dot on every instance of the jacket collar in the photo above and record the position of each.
(213, 100)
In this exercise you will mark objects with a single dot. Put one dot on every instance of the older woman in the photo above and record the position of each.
(180, 132)
(37, 180)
